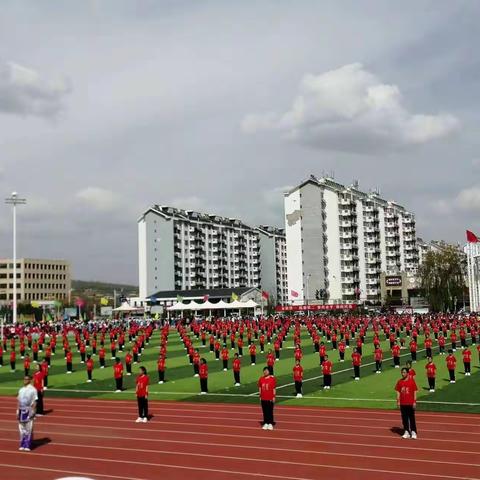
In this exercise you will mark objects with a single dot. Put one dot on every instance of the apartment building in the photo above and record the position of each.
(183, 250)
(37, 279)
(340, 239)
(273, 262)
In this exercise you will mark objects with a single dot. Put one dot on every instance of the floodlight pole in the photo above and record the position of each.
(14, 200)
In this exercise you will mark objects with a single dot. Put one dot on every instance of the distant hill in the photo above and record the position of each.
(102, 288)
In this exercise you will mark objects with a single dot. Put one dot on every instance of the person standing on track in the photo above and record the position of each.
(236, 365)
(327, 373)
(252, 349)
(89, 364)
(203, 377)
(451, 364)
(267, 390)
(26, 409)
(118, 375)
(378, 356)
(298, 378)
(406, 389)
(356, 362)
(467, 358)
(141, 391)
(431, 373)
(38, 384)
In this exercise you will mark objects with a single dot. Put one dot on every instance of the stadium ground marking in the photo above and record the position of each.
(263, 460)
(244, 395)
(326, 414)
(184, 442)
(162, 422)
(241, 436)
(263, 475)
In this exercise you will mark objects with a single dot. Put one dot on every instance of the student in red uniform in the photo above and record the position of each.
(69, 359)
(451, 364)
(252, 349)
(431, 373)
(378, 356)
(396, 355)
(203, 377)
(467, 358)
(406, 389)
(44, 368)
(89, 364)
(267, 389)
(13, 357)
(236, 365)
(128, 362)
(341, 350)
(161, 364)
(225, 356)
(26, 365)
(356, 362)
(196, 362)
(141, 391)
(101, 357)
(38, 385)
(327, 373)
(118, 375)
(270, 361)
(298, 378)
(441, 344)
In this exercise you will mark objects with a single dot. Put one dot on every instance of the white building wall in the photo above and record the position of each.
(361, 249)
(333, 244)
(293, 231)
(383, 246)
(142, 259)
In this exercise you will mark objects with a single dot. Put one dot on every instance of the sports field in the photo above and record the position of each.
(372, 391)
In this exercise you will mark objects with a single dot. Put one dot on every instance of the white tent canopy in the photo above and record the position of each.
(125, 307)
(221, 305)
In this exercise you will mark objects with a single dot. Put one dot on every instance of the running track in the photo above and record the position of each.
(100, 440)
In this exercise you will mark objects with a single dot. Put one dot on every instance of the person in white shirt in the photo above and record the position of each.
(27, 403)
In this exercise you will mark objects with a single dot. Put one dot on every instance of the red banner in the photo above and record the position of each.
(303, 308)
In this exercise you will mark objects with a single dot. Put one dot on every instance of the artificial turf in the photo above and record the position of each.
(372, 391)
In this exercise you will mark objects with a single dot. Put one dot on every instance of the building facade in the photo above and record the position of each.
(340, 239)
(185, 250)
(273, 263)
(37, 279)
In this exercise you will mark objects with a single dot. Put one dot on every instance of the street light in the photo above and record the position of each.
(307, 278)
(14, 200)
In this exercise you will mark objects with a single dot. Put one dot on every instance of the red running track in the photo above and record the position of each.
(100, 440)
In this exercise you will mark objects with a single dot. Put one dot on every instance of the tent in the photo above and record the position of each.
(221, 305)
(125, 307)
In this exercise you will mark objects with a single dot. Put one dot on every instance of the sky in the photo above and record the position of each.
(108, 107)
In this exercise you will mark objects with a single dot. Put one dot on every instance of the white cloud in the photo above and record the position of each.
(99, 199)
(349, 109)
(25, 92)
(469, 198)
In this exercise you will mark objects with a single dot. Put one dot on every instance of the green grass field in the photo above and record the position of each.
(372, 391)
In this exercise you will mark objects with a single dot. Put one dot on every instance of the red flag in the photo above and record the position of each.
(265, 295)
(205, 298)
(294, 293)
(471, 237)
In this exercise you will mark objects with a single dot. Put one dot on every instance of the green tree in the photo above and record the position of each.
(442, 278)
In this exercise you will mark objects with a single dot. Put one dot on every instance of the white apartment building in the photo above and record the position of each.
(340, 239)
(185, 250)
(37, 279)
(273, 262)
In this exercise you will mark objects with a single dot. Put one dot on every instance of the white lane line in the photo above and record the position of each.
(261, 460)
(256, 474)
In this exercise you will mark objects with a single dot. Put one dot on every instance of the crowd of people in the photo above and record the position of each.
(431, 334)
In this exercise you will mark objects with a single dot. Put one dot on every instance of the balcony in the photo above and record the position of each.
(390, 224)
(392, 244)
(346, 235)
(372, 261)
(389, 214)
(345, 223)
(410, 256)
(348, 268)
(371, 239)
(349, 280)
(371, 270)
(370, 218)
(348, 291)
(345, 213)
(372, 281)
(348, 257)
(373, 291)
(344, 201)
(372, 250)
(371, 229)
